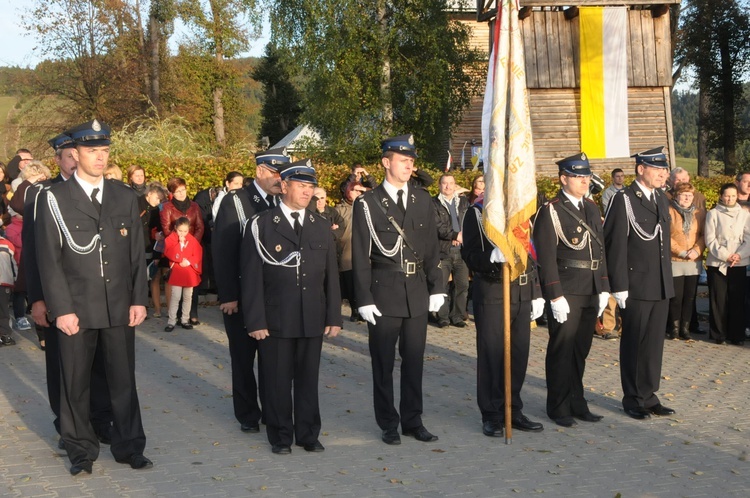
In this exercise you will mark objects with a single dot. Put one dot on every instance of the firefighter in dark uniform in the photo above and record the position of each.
(397, 280)
(526, 304)
(237, 207)
(637, 241)
(291, 300)
(93, 272)
(101, 408)
(569, 241)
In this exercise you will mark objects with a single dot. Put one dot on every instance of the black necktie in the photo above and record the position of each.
(95, 201)
(400, 202)
(269, 200)
(580, 206)
(297, 226)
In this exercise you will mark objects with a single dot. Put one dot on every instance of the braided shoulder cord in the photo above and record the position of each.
(639, 231)
(266, 256)
(561, 235)
(240, 213)
(63, 228)
(373, 235)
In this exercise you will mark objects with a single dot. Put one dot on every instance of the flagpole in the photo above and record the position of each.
(506, 352)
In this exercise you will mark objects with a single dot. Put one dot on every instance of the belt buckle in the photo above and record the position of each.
(595, 265)
(411, 268)
(523, 279)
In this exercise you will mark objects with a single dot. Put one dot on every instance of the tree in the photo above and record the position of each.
(222, 29)
(372, 69)
(715, 41)
(161, 17)
(281, 100)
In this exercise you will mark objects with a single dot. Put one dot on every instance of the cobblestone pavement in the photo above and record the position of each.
(198, 450)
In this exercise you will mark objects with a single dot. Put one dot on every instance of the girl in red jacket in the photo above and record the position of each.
(185, 256)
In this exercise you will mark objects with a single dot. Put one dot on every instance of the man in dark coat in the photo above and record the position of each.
(237, 207)
(93, 271)
(526, 304)
(101, 407)
(636, 234)
(569, 241)
(291, 300)
(397, 280)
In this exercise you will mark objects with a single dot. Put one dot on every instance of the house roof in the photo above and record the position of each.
(298, 137)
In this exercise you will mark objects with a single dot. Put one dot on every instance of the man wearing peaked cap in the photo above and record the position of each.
(568, 237)
(94, 285)
(397, 281)
(101, 409)
(236, 208)
(291, 300)
(637, 240)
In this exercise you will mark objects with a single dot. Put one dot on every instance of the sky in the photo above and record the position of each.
(17, 47)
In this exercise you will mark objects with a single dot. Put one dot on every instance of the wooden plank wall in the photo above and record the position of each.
(552, 76)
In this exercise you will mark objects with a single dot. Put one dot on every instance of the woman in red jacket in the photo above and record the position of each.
(185, 256)
(178, 206)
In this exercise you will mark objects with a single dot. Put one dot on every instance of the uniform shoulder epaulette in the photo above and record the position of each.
(553, 201)
(589, 199)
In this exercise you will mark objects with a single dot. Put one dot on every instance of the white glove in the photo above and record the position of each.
(621, 297)
(603, 300)
(537, 308)
(560, 309)
(369, 312)
(436, 302)
(497, 256)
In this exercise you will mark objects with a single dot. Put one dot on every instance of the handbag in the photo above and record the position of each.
(167, 273)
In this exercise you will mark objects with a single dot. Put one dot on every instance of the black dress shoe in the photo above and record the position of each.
(104, 437)
(281, 449)
(169, 328)
(637, 413)
(315, 447)
(660, 410)
(84, 466)
(195, 321)
(522, 423)
(565, 421)
(589, 417)
(420, 434)
(460, 324)
(390, 436)
(137, 462)
(61, 444)
(187, 326)
(443, 323)
(250, 427)
(492, 429)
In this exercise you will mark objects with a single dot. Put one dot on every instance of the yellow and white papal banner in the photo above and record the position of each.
(604, 81)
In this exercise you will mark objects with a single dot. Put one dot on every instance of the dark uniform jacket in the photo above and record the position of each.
(380, 280)
(290, 302)
(557, 277)
(446, 235)
(99, 286)
(227, 239)
(476, 251)
(33, 282)
(643, 268)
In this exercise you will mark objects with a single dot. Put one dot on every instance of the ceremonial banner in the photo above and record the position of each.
(509, 168)
(604, 82)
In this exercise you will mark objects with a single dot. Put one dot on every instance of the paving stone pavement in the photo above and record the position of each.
(198, 450)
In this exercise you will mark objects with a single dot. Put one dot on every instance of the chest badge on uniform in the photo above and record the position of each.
(276, 219)
(278, 248)
(384, 201)
(312, 220)
(578, 229)
(256, 199)
(638, 193)
(413, 199)
(124, 232)
(574, 240)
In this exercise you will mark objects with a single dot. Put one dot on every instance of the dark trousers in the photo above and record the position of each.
(411, 335)
(19, 304)
(726, 316)
(490, 356)
(682, 305)
(242, 349)
(454, 308)
(6, 294)
(346, 281)
(291, 363)
(641, 349)
(101, 405)
(76, 361)
(569, 345)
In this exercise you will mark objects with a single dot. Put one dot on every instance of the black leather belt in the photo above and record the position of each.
(523, 278)
(580, 263)
(409, 267)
